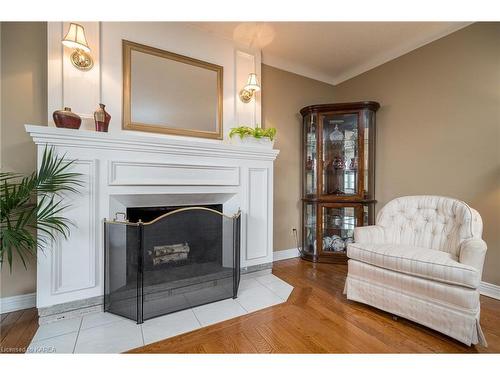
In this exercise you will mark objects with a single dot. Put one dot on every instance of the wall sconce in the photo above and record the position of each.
(75, 38)
(252, 86)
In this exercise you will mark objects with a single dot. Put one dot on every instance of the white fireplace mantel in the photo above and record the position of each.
(119, 168)
(131, 141)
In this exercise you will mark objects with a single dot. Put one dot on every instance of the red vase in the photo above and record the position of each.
(66, 119)
(102, 119)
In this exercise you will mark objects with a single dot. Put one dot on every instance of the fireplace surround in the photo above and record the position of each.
(121, 170)
(155, 265)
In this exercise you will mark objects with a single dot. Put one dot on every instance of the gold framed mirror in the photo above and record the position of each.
(164, 92)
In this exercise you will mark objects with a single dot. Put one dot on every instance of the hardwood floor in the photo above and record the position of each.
(17, 329)
(317, 318)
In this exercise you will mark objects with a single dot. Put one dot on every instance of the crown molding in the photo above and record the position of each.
(305, 71)
(296, 68)
(395, 53)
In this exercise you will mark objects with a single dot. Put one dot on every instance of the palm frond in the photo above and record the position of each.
(34, 203)
(53, 176)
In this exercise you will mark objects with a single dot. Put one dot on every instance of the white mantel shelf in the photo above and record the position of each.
(143, 143)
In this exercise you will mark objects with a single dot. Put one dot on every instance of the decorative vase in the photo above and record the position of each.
(66, 119)
(102, 119)
(338, 163)
(354, 163)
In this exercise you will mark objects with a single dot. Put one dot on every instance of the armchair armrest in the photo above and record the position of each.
(369, 234)
(472, 253)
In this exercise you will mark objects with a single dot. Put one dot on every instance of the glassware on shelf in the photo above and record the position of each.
(354, 163)
(338, 149)
(311, 139)
(338, 163)
(354, 135)
(311, 221)
(327, 242)
(337, 243)
(336, 135)
(310, 163)
(337, 220)
(309, 211)
(337, 191)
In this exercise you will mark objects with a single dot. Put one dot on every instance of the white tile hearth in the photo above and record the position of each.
(56, 329)
(58, 344)
(169, 325)
(108, 333)
(218, 311)
(281, 288)
(257, 298)
(267, 279)
(248, 283)
(99, 319)
(114, 337)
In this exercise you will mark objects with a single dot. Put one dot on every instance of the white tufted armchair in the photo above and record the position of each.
(422, 261)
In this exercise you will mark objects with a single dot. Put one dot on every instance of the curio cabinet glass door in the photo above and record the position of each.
(338, 176)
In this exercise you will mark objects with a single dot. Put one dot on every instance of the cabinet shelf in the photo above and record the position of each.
(336, 200)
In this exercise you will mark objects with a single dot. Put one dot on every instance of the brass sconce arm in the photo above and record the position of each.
(252, 86)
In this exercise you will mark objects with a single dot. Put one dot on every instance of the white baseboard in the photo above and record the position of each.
(489, 290)
(285, 254)
(20, 302)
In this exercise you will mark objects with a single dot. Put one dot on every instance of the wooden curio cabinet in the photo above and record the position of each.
(338, 177)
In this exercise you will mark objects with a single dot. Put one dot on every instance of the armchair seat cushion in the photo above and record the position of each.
(416, 261)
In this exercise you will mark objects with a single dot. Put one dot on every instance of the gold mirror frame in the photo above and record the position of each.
(127, 48)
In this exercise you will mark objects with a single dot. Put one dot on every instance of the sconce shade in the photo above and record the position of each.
(75, 38)
(252, 83)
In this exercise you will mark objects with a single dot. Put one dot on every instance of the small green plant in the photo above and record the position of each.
(34, 203)
(253, 132)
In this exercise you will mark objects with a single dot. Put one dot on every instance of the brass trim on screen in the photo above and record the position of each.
(235, 216)
(127, 48)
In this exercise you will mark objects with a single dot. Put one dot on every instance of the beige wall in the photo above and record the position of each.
(283, 95)
(23, 100)
(439, 125)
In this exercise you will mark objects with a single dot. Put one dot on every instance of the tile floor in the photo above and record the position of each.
(107, 333)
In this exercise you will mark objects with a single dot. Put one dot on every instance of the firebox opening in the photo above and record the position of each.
(179, 261)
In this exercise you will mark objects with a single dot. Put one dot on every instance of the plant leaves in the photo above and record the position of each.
(253, 132)
(34, 203)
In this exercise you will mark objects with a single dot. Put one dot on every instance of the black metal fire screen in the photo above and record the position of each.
(183, 258)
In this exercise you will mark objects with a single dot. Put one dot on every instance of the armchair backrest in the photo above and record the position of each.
(428, 221)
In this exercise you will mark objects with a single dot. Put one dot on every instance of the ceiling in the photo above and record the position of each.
(331, 52)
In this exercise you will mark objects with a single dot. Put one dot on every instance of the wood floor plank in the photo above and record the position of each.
(318, 318)
(260, 344)
(17, 330)
(9, 323)
(3, 316)
(277, 343)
